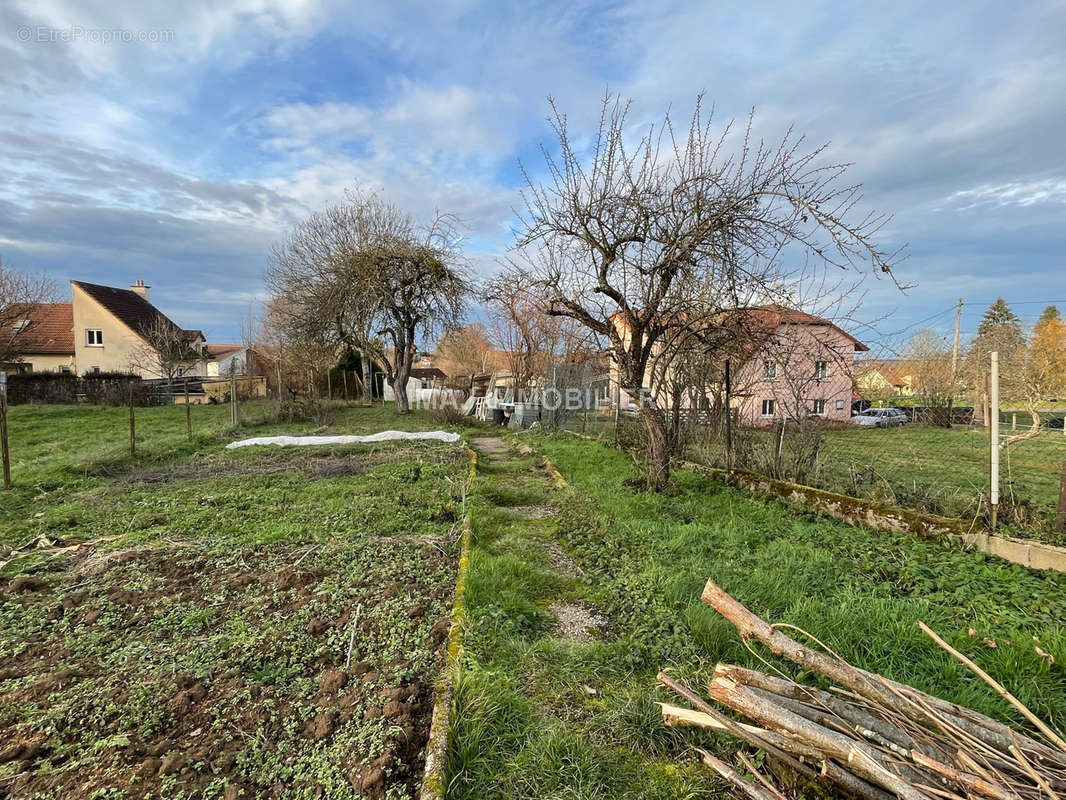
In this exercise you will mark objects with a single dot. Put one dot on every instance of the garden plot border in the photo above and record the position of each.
(856, 511)
(435, 773)
(1027, 552)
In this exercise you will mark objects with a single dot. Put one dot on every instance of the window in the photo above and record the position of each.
(63, 370)
(769, 371)
(818, 408)
(94, 337)
(821, 370)
(768, 408)
(96, 370)
(840, 405)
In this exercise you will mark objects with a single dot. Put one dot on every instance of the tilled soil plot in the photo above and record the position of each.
(181, 670)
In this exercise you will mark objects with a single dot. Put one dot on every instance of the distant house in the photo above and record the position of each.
(885, 378)
(227, 359)
(797, 365)
(788, 364)
(430, 377)
(40, 337)
(112, 327)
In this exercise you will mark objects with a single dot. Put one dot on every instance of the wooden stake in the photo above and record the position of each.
(188, 410)
(728, 414)
(3, 437)
(233, 397)
(133, 426)
(734, 779)
(993, 436)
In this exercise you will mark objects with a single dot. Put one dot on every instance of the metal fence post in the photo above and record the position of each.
(3, 430)
(1060, 518)
(993, 439)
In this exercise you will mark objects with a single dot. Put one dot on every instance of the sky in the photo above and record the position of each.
(176, 142)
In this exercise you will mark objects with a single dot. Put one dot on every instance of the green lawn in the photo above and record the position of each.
(938, 470)
(529, 727)
(197, 646)
(59, 451)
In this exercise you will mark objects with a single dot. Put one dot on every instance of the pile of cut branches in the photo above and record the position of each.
(868, 736)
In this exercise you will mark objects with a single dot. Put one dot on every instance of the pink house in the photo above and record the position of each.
(785, 363)
(797, 365)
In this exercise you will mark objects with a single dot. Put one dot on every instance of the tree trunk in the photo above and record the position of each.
(399, 387)
(368, 380)
(658, 449)
(675, 420)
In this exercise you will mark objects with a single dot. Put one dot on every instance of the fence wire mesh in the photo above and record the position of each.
(916, 436)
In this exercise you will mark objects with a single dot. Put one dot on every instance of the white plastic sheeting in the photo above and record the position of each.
(384, 436)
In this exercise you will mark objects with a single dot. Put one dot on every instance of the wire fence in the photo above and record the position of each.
(926, 451)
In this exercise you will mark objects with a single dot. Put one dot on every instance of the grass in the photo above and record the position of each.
(937, 470)
(198, 647)
(527, 725)
(59, 451)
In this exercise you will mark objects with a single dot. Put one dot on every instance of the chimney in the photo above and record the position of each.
(141, 289)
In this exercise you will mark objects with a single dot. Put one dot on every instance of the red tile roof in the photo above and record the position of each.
(773, 315)
(223, 350)
(50, 330)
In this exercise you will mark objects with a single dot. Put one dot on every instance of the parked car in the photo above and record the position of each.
(880, 418)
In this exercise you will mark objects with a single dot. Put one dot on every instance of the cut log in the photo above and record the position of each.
(734, 778)
(861, 722)
(863, 760)
(874, 687)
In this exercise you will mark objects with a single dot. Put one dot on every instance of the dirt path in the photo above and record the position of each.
(527, 494)
(489, 446)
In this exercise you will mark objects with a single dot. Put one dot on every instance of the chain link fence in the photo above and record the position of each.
(903, 444)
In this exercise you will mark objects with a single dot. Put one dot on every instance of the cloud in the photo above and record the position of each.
(1017, 193)
(189, 157)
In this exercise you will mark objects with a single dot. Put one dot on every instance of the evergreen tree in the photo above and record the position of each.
(999, 319)
(1050, 313)
(1000, 330)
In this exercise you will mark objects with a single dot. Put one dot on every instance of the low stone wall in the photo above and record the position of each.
(103, 389)
(435, 776)
(1027, 552)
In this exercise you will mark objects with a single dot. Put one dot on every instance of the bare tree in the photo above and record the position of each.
(526, 337)
(366, 275)
(465, 351)
(634, 239)
(297, 358)
(165, 350)
(1039, 373)
(927, 358)
(21, 296)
